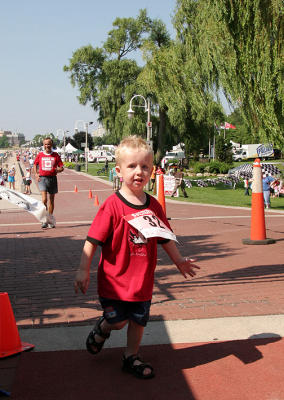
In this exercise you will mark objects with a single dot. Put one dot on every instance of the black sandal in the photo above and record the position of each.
(137, 370)
(91, 341)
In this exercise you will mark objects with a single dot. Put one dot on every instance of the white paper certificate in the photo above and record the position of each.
(149, 225)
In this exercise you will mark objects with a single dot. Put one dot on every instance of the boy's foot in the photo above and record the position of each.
(44, 225)
(137, 367)
(96, 339)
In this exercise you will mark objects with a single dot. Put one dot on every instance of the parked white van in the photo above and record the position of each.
(100, 156)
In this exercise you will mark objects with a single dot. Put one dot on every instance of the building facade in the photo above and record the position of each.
(14, 139)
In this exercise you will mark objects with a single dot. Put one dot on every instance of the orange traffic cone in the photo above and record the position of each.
(90, 194)
(76, 189)
(258, 231)
(10, 342)
(161, 192)
(96, 202)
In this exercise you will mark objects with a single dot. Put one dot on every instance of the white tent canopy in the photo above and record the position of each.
(69, 148)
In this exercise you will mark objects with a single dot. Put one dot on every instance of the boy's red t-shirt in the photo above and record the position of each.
(47, 163)
(127, 264)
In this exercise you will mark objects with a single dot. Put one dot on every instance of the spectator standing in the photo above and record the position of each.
(246, 186)
(27, 181)
(31, 162)
(179, 182)
(11, 178)
(115, 179)
(153, 178)
(266, 182)
(46, 167)
(106, 165)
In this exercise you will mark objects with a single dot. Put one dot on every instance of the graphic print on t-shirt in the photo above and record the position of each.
(47, 163)
(137, 243)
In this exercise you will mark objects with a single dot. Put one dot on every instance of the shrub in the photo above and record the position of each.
(69, 165)
(214, 167)
(199, 167)
(224, 168)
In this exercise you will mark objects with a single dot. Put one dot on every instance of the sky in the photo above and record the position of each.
(37, 38)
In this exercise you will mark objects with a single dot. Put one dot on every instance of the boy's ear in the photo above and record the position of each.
(117, 169)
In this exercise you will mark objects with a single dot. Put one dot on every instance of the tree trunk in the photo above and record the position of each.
(161, 134)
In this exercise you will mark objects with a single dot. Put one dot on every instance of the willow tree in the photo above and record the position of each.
(103, 75)
(236, 45)
(191, 108)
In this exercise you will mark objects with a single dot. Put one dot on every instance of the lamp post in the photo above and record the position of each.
(58, 132)
(147, 109)
(86, 125)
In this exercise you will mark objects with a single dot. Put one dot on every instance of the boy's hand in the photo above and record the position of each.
(82, 280)
(186, 267)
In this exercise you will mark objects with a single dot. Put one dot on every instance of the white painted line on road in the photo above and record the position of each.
(172, 218)
(57, 223)
(221, 217)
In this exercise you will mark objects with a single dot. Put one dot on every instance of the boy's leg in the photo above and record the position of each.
(134, 337)
(100, 333)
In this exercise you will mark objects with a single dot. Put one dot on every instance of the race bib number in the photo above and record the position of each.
(149, 225)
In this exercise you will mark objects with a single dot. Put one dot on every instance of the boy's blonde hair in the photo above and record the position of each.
(133, 142)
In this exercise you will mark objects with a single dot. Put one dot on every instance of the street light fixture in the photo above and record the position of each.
(58, 132)
(86, 125)
(147, 109)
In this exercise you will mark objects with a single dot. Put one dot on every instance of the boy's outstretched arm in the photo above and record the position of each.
(184, 264)
(82, 278)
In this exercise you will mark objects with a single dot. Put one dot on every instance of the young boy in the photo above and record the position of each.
(28, 181)
(128, 259)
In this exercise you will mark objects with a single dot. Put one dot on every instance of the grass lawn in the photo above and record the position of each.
(219, 194)
(225, 196)
(94, 167)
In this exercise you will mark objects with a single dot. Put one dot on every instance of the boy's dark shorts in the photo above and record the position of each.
(118, 311)
(48, 184)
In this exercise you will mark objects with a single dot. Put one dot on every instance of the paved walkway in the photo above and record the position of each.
(238, 293)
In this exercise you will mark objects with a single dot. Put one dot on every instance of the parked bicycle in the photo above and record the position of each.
(102, 171)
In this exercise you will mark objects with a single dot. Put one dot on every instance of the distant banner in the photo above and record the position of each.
(27, 203)
(169, 185)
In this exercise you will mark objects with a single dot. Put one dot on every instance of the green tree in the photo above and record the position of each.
(237, 46)
(190, 105)
(103, 75)
(223, 149)
(79, 138)
(4, 143)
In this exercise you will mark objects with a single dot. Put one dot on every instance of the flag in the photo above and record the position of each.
(229, 126)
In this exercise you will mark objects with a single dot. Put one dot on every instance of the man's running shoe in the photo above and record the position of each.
(51, 221)
(44, 225)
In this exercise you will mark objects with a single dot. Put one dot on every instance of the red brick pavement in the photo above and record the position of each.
(38, 266)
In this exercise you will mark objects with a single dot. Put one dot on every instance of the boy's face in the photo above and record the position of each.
(135, 168)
